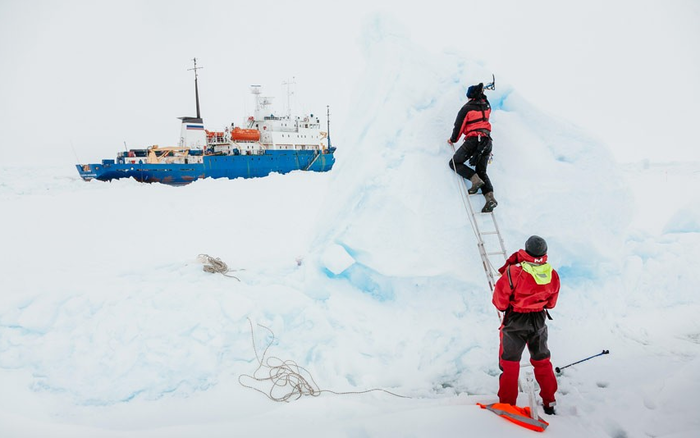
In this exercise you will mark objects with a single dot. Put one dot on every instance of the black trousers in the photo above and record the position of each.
(470, 146)
(524, 329)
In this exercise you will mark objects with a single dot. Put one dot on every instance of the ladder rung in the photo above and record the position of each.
(494, 253)
(489, 232)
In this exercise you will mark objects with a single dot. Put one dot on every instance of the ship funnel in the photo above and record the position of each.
(192, 134)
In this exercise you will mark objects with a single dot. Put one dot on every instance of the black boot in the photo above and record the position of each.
(549, 410)
(490, 203)
(476, 184)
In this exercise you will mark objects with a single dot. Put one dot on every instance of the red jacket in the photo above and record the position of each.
(473, 119)
(526, 295)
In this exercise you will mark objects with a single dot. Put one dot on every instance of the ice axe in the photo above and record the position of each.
(558, 369)
(492, 85)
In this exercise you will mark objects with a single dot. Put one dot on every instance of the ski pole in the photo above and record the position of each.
(558, 370)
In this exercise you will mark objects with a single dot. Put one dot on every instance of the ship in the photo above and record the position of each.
(265, 143)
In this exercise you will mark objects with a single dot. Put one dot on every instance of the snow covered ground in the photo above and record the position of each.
(368, 276)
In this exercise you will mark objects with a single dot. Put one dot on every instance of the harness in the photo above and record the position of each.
(482, 119)
(483, 107)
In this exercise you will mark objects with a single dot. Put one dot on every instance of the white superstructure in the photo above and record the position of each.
(285, 132)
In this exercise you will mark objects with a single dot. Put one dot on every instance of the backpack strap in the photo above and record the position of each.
(510, 280)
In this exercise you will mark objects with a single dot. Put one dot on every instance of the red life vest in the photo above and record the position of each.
(476, 122)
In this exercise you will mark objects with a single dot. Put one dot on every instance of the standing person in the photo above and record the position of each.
(527, 287)
(473, 122)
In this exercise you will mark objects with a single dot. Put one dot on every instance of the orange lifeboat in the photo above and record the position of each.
(245, 134)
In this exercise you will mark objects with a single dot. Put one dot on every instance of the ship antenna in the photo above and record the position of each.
(289, 93)
(196, 89)
(328, 124)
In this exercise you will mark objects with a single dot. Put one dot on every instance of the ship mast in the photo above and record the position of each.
(196, 88)
(328, 124)
(192, 133)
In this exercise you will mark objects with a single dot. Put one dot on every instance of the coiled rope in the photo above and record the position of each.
(215, 265)
(289, 377)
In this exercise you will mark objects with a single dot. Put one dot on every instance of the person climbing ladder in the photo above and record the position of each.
(473, 122)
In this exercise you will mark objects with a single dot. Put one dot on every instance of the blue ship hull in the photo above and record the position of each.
(213, 166)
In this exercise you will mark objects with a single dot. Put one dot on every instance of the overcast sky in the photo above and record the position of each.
(81, 78)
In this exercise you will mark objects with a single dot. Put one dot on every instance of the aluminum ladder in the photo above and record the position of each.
(488, 235)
